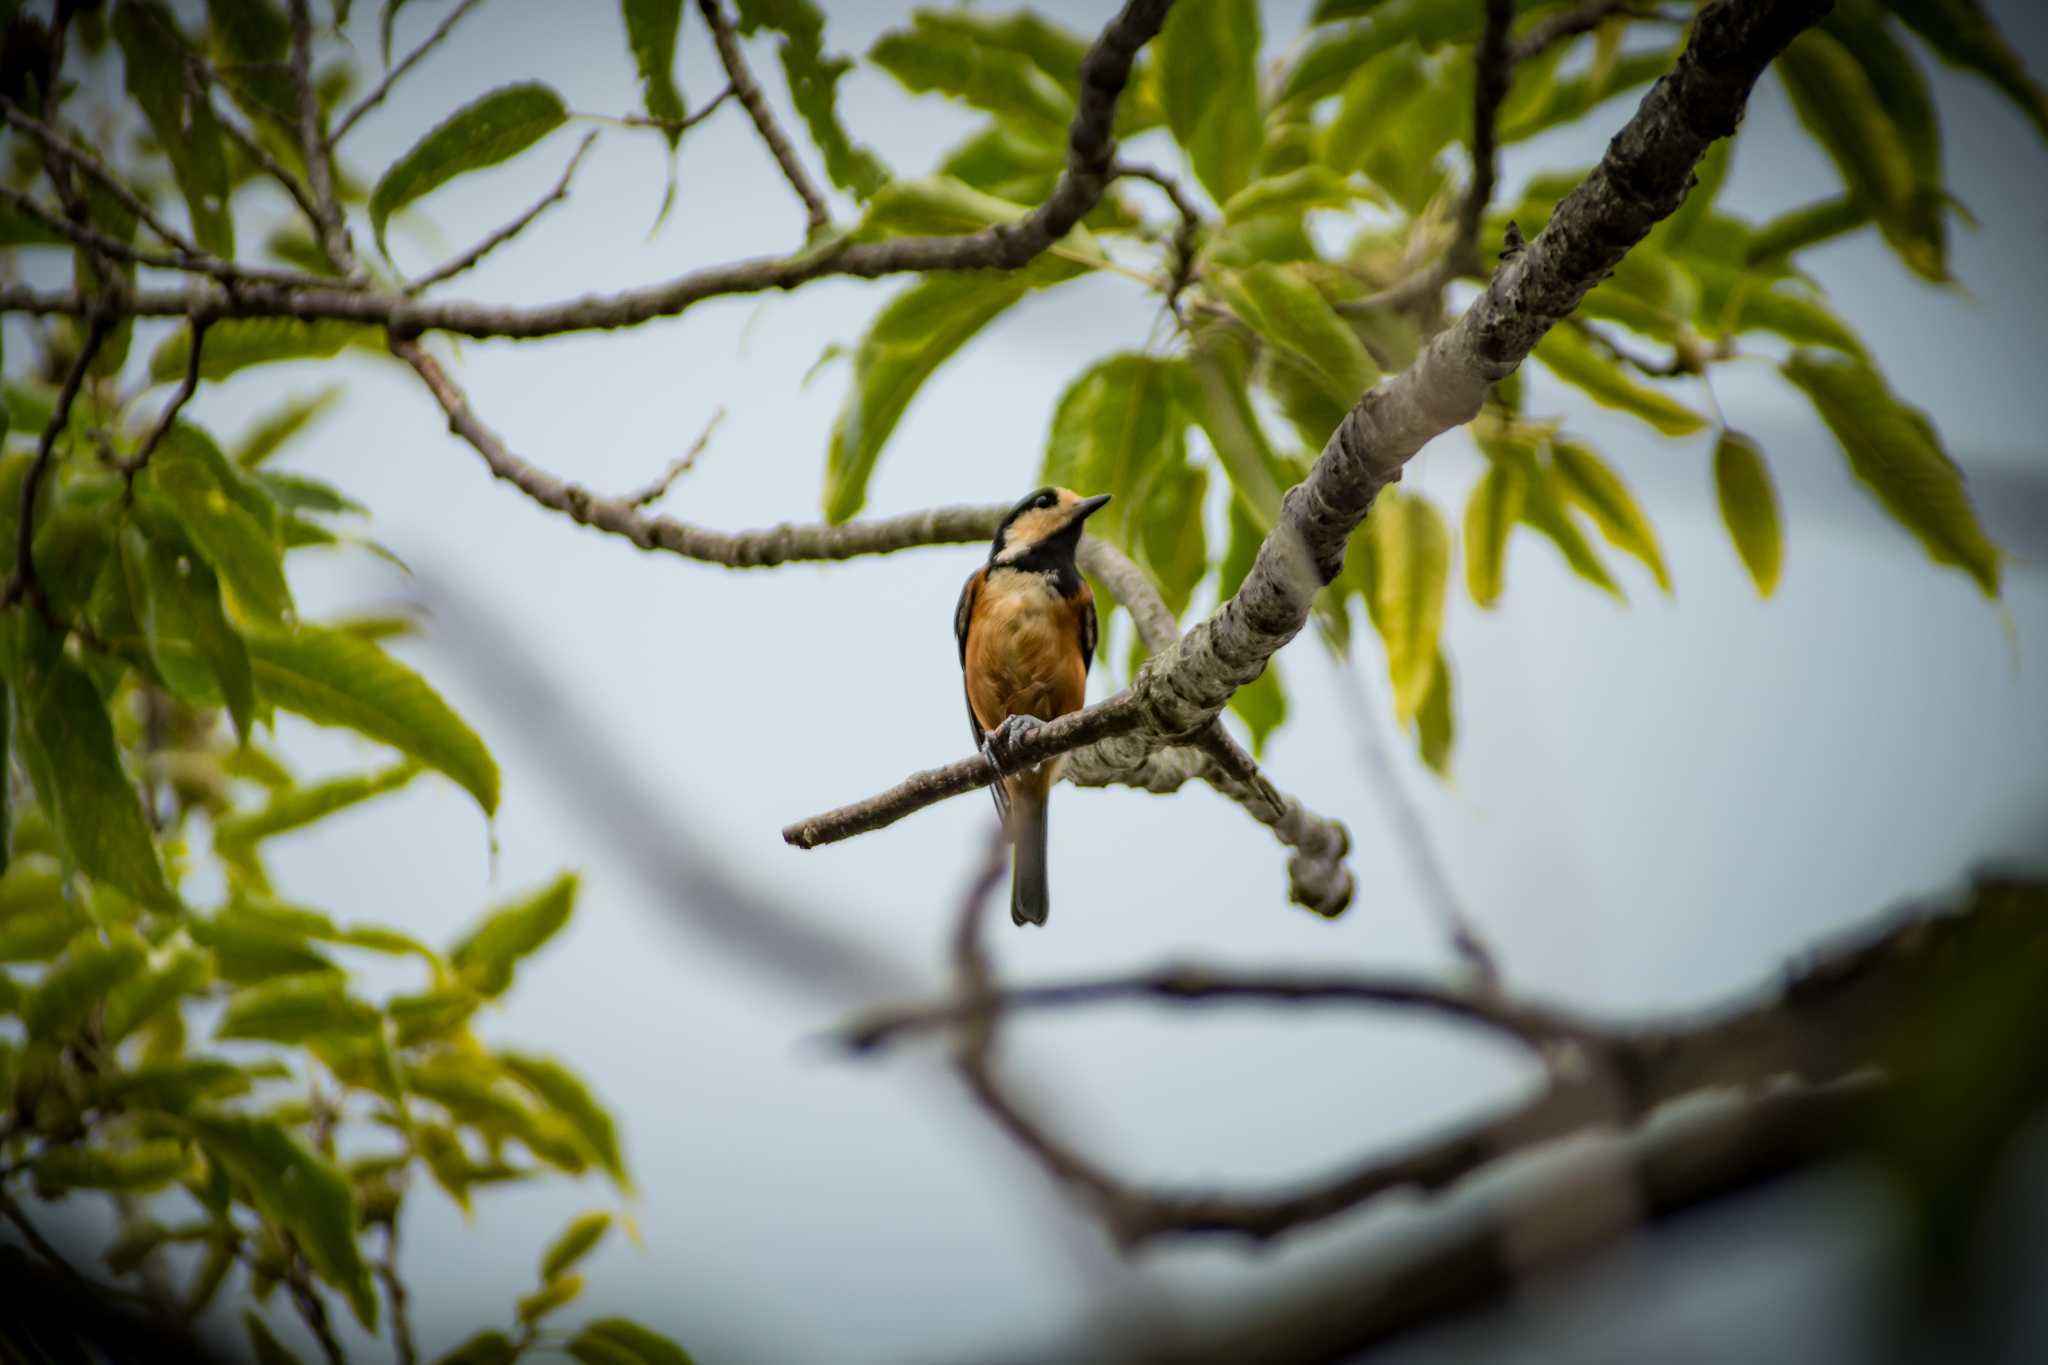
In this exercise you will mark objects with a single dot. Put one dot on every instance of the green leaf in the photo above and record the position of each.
(1115, 428)
(938, 54)
(177, 600)
(813, 79)
(226, 515)
(180, 116)
(1894, 449)
(1901, 89)
(485, 1348)
(556, 1293)
(1291, 193)
(651, 27)
(1964, 35)
(66, 741)
(1175, 544)
(574, 1244)
(485, 132)
(297, 493)
(1749, 507)
(1434, 723)
(933, 206)
(79, 980)
(1218, 395)
(1575, 360)
(1834, 99)
(1207, 63)
(237, 343)
(1287, 311)
(1333, 55)
(247, 950)
(1011, 161)
(299, 1191)
(269, 1350)
(1410, 551)
(563, 1092)
(1805, 226)
(487, 955)
(136, 1001)
(1367, 115)
(1588, 483)
(915, 332)
(274, 430)
(1491, 512)
(135, 1170)
(293, 1009)
(620, 1341)
(298, 807)
(1735, 300)
(336, 678)
(1515, 446)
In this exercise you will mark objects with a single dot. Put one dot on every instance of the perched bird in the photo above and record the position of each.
(1026, 625)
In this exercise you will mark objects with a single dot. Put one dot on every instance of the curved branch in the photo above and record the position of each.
(456, 265)
(816, 215)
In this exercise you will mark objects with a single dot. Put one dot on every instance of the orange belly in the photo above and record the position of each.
(1024, 659)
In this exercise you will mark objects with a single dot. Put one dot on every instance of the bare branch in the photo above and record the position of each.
(140, 460)
(24, 581)
(817, 215)
(314, 147)
(506, 233)
(677, 467)
(1184, 238)
(56, 145)
(1494, 67)
(391, 77)
(194, 262)
(394, 1290)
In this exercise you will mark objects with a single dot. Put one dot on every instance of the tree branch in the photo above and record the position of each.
(192, 262)
(817, 215)
(1642, 178)
(391, 77)
(136, 463)
(1493, 69)
(314, 147)
(24, 581)
(57, 146)
(506, 233)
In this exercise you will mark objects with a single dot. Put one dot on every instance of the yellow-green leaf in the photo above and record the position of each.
(1216, 392)
(181, 115)
(651, 27)
(1491, 512)
(1290, 313)
(1434, 724)
(574, 1243)
(292, 1009)
(1749, 506)
(337, 678)
(1964, 35)
(566, 1094)
(940, 54)
(1115, 429)
(297, 807)
(1575, 360)
(79, 980)
(489, 130)
(237, 343)
(1589, 484)
(620, 1341)
(136, 1001)
(1735, 300)
(556, 1293)
(487, 955)
(1207, 63)
(226, 515)
(1895, 450)
(1410, 551)
(813, 88)
(177, 601)
(133, 1170)
(1170, 530)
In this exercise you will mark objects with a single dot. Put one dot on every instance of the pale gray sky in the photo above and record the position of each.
(1652, 805)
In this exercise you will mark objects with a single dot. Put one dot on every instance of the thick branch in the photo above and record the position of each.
(744, 87)
(1644, 176)
(1494, 66)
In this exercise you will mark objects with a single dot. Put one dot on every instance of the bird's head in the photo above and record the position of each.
(1047, 520)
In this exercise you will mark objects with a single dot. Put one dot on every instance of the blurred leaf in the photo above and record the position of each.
(1207, 59)
(1749, 507)
(915, 332)
(1332, 55)
(933, 206)
(274, 430)
(301, 806)
(78, 981)
(1589, 484)
(620, 1341)
(1116, 427)
(574, 1243)
(1736, 300)
(1964, 35)
(66, 741)
(154, 57)
(229, 519)
(651, 27)
(1012, 161)
(487, 955)
(1806, 226)
(1575, 360)
(946, 54)
(39, 935)
(269, 1350)
(297, 493)
(1491, 512)
(1218, 396)
(1895, 451)
(292, 1009)
(1434, 724)
(1516, 447)
(566, 1094)
(135, 1170)
(485, 132)
(300, 1192)
(1288, 312)
(1901, 89)
(1175, 544)
(246, 950)
(1568, 100)
(174, 1087)
(814, 89)
(197, 653)
(556, 1293)
(1708, 178)
(1410, 551)
(135, 1001)
(335, 678)
(236, 343)
(485, 1348)
(431, 1014)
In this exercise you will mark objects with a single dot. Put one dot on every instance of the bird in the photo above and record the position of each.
(1026, 627)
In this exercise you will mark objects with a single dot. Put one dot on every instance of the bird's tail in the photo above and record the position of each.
(1028, 901)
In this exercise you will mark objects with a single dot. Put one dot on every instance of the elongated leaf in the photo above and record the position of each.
(1807, 226)
(549, 1297)
(1262, 703)
(1367, 115)
(301, 1192)
(292, 1009)
(66, 741)
(1575, 360)
(273, 431)
(485, 1348)
(914, 333)
(1289, 312)
(1207, 57)
(1291, 193)
(485, 132)
(1588, 483)
(226, 515)
(269, 1350)
(566, 1094)
(1544, 512)
(620, 1341)
(937, 54)
(135, 1170)
(813, 78)
(1894, 450)
(246, 950)
(336, 678)
(488, 954)
(1176, 547)
(1734, 300)
(136, 1001)
(574, 1243)
(1491, 512)
(179, 1086)
(1335, 53)
(1902, 93)
(1435, 723)
(1008, 160)
(1410, 550)
(180, 116)
(236, 343)
(1749, 507)
(79, 980)
(1218, 395)
(933, 206)
(177, 600)
(1116, 427)
(1964, 35)
(651, 27)
(297, 807)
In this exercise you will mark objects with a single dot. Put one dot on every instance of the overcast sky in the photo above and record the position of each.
(1652, 805)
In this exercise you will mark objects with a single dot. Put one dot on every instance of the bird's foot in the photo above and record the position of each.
(998, 746)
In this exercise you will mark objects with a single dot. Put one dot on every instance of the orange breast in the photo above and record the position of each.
(1023, 653)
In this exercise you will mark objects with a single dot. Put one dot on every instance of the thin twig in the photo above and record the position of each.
(56, 145)
(677, 467)
(666, 125)
(1683, 360)
(1494, 68)
(394, 1290)
(1184, 237)
(196, 337)
(506, 233)
(191, 262)
(24, 580)
(816, 214)
(411, 59)
(314, 147)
